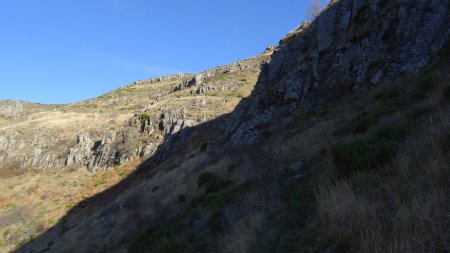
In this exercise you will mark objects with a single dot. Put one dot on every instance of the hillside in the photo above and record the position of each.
(337, 141)
(123, 125)
(56, 145)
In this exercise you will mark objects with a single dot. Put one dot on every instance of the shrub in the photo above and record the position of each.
(205, 178)
(369, 152)
(446, 93)
(377, 97)
(359, 124)
(395, 93)
(389, 132)
(210, 182)
(204, 147)
(159, 239)
(416, 113)
(232, 167)
(388, 34)
(181, 198)
(444, 144)
(387, 108)
(215, 222)
(444, 52)
(425, 83)
(267, 133)
(155, 189)
(363, 124)
(144, 117)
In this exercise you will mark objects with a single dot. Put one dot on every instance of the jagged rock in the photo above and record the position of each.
(173, 121)
(81, 153)
(356, 42)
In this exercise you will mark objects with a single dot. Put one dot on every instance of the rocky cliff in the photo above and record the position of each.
(352, 44)
(123, 125)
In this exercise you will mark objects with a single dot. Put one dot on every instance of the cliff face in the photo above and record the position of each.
(352, 44)
(120, 126)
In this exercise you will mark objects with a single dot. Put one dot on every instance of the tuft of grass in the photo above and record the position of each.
(6, 233)
(100, 181)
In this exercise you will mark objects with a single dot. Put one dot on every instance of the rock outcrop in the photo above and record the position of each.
(11, 108)
(356, 43)
(123, 125)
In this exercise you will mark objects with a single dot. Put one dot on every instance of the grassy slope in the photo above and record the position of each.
(375, 179)
(33, 202)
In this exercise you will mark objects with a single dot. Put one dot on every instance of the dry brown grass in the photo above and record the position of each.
(400, 208)
(33, 202)
(242, 237)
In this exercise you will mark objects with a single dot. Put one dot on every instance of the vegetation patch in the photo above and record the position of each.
(204, 147)
(424, 84)
(181, 198)
(160, 239)
(232, 167)
(446, 93)
(215, 222)
(369, 152)
(155, 188)
(144, 117)
(210, 182)
(416, 113)
(359, 124)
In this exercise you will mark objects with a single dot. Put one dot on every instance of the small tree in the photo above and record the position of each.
(314, 9)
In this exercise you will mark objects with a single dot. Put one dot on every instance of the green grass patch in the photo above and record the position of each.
(100, 181)
(144, 117)
(368, 152)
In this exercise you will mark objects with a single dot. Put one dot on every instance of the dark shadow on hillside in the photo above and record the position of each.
(173, 147)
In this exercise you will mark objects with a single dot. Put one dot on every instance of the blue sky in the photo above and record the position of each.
(60, 51)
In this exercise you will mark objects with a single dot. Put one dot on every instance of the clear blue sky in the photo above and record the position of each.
(60, 51)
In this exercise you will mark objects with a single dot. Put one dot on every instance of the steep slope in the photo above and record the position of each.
(342, 146)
